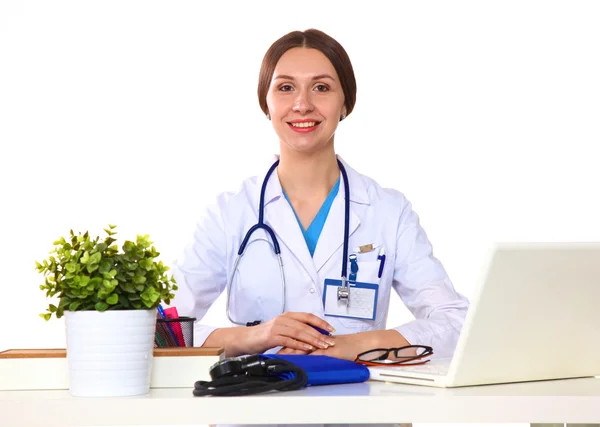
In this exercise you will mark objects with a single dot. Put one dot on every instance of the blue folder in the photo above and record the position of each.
(322, 370)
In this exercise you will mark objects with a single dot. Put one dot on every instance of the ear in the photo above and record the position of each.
(343, 116)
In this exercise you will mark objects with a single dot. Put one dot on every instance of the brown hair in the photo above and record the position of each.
(312, 39)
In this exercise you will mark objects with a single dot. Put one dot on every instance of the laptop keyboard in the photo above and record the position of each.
(435, 367)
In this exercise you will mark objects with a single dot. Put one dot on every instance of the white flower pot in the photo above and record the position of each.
(110, 353)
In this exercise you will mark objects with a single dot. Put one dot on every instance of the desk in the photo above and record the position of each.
(564, 401)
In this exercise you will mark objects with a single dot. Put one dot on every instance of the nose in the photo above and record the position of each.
(303, 102)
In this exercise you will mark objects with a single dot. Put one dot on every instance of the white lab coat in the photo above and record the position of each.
(377, 215)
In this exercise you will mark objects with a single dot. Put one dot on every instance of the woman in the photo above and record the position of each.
(306, 87)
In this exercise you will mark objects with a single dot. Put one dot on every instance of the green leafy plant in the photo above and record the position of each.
(89, 274)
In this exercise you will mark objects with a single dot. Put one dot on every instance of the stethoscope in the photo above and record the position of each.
(343, 292)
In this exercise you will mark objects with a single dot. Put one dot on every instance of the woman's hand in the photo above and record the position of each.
(291, 330)
(346, 347)
(349, 346)
(286, 350)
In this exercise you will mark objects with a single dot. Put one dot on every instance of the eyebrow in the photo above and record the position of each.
(317, 77)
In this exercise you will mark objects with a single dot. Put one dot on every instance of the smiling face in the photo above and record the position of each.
(305, 100)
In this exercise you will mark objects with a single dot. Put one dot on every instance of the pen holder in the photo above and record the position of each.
(178, 332)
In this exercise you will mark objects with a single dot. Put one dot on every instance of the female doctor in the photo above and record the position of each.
(344, 242)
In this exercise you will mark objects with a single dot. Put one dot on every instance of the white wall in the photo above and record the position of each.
(129, 112)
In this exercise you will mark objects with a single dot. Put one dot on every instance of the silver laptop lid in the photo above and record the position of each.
(537, 317)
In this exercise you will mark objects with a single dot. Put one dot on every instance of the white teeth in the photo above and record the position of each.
(304, 125)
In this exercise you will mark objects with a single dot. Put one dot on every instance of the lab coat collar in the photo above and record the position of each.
(358, 188)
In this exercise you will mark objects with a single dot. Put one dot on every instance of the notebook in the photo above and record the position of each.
(534, 317)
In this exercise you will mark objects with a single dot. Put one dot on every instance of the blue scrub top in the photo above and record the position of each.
(312, 233)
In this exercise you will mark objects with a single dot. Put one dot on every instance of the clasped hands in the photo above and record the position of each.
(294, 332)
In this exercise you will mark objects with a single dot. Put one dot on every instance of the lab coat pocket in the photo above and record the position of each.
(367, 271)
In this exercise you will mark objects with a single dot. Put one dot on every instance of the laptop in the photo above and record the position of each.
(534, 316)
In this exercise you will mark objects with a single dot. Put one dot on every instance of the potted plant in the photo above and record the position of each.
(109, 298)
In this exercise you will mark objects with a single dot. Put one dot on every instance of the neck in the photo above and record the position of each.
(306, 176)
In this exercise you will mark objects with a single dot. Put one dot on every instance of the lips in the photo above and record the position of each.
(304, 126)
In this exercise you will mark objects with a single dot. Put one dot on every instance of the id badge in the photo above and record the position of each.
(362, 303)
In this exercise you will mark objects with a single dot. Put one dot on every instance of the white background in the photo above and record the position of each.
(485, 114)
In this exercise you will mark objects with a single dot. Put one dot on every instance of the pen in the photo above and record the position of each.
(381, 258)
(353, 267)
(323, 331)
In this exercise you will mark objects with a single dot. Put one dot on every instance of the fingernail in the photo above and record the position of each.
(330, 342)
(330, 328)
(323, 344)
(308, 346)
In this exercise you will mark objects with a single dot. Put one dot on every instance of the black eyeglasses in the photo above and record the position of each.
(409, 355)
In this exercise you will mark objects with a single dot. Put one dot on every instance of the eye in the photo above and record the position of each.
(321, 88)
(285, 88)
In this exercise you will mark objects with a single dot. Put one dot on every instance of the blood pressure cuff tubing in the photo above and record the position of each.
(239, 376)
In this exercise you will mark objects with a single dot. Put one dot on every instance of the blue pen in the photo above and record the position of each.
(161, 312)
(353, 267)
(323, 331)
(381, 258)
(164, 316)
